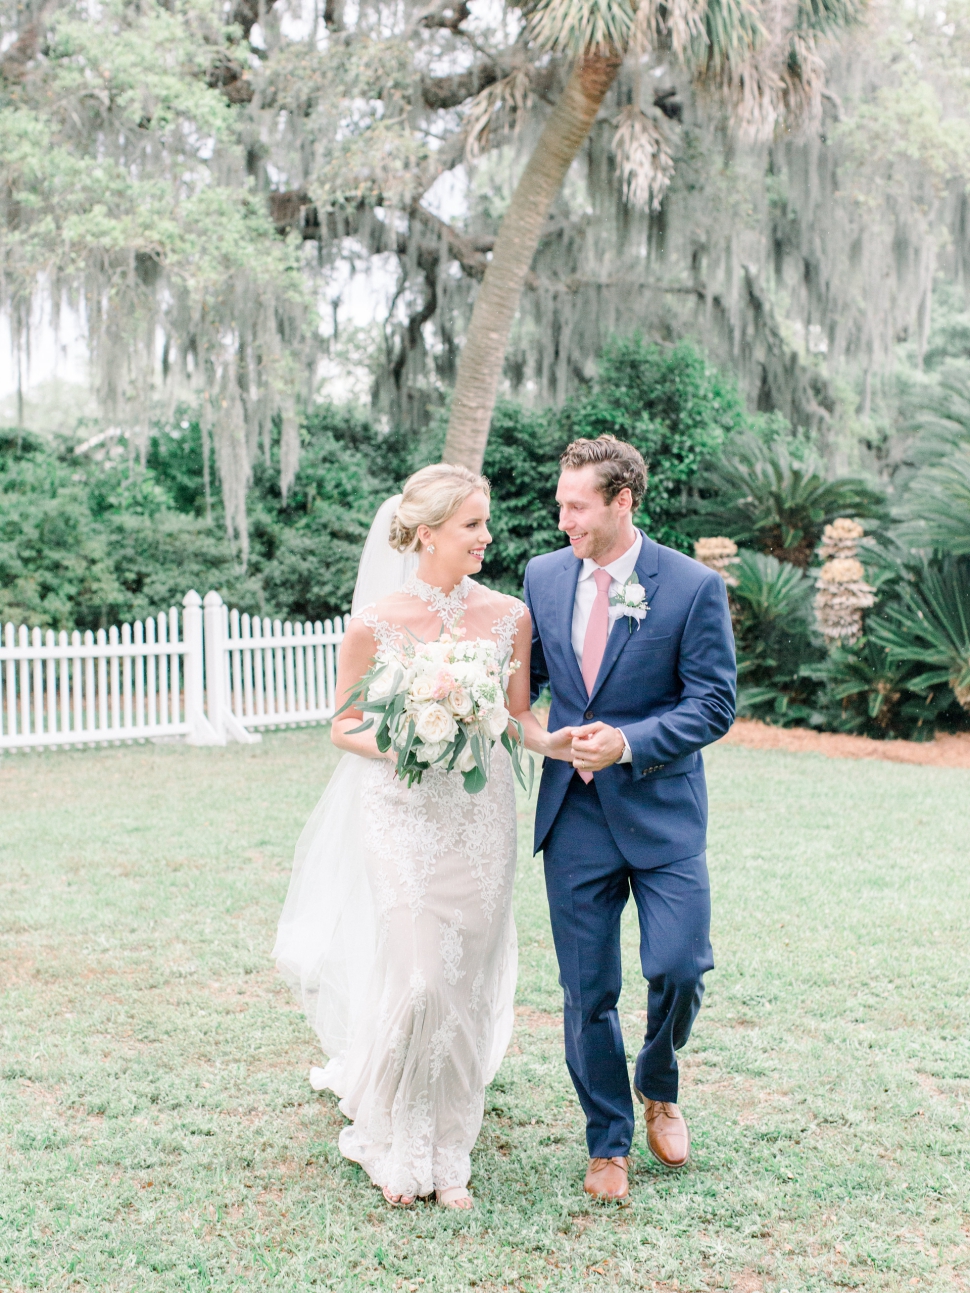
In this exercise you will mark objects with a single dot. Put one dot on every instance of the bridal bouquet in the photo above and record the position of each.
(441, 704)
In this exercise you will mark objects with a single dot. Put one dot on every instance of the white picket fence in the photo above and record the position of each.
(206, 675)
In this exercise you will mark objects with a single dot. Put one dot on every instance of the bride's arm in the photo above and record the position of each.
(355, 658)
(551, 745)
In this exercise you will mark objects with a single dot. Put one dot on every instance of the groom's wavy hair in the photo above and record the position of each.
(618, 465)
(431, 496)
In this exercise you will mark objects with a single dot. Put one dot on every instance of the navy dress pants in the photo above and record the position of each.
(588, 881)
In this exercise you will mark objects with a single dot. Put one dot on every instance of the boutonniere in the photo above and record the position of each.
(629, 600)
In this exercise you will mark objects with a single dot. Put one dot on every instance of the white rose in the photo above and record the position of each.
(430, 753)
(498, 721)
(435, 724)
(466, 760)
(422, 688)
(460, 701)
(633, 594)
(383, 684)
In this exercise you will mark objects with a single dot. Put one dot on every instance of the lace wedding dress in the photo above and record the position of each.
(398, 937)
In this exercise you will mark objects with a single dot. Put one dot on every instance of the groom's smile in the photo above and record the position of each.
(596, 529)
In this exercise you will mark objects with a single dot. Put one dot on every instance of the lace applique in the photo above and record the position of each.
(386, 900)
(388, 637)
(451, 949)
(504, 628)
(476, 997)
(411, 829)
(449, 607)
(441, 1042)
(419, 992)
(440, 864)
(399, 1043)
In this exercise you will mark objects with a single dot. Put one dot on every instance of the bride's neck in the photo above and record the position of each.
(437, 574)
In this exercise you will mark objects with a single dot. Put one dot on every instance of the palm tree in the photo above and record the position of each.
(758, 62)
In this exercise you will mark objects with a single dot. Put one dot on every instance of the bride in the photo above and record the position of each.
(397, 933)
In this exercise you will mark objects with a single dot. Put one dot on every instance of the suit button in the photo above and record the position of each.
(588, 715)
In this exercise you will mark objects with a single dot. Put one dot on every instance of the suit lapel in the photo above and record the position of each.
(646, 570)
(566, 594)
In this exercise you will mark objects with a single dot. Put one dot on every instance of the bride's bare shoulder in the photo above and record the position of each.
(393, 609)
(500, 604)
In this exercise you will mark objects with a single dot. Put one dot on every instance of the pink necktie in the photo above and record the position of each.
(594, 643)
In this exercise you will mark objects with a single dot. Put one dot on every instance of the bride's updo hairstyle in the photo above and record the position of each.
(431, 496)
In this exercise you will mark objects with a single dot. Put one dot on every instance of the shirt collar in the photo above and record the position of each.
(622, 568)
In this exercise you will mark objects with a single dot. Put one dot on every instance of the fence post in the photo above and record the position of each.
(202, 732)
(224, 722)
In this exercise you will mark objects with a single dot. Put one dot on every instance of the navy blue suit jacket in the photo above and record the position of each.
(670, 684)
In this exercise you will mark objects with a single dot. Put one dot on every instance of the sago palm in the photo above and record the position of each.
(754, 58)
(763, 495)
(771, 611)
(935, 509)
(930, 627)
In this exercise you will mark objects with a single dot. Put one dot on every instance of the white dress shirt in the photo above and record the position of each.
(621, 569)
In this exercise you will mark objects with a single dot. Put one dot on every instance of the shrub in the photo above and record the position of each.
(676, 408)
(771, 609)
(928, 628)
(767, 496)
(865, 692)
(522, 464)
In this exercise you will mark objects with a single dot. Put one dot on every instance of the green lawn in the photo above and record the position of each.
(158, 1132)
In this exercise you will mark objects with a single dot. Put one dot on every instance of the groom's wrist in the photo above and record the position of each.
(627, 755)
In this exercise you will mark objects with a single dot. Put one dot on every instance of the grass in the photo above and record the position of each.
(157, 1129)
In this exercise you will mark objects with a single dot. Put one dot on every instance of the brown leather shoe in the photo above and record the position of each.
(667, 1133)
(608, 1179)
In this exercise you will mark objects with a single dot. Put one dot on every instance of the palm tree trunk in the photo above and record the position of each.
(480, 366)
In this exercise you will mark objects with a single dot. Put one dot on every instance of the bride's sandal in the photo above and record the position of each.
(456, 1197)
(397, 1200)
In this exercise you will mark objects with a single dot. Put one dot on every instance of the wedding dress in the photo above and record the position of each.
(397, 935)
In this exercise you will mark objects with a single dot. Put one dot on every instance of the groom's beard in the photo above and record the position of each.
(596, 543)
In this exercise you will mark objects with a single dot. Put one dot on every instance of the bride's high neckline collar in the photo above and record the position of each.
(448, 605)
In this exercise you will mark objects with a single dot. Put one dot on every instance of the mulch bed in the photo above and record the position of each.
(942, 752)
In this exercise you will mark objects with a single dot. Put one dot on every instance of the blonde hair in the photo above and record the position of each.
(431, 496)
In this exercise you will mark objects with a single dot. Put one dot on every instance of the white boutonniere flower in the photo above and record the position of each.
(629, 600)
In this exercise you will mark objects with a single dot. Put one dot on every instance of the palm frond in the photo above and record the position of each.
(937, 506)
(581, 27)
(930, 626)
(825, 16)
(761, 494)
(668, 24)
(642, 148)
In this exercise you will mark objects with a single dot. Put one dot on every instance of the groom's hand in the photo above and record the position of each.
(597, 746)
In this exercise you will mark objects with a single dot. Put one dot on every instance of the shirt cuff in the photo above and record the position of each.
(627, 755)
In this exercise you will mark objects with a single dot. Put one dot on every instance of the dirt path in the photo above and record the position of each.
(943, 752)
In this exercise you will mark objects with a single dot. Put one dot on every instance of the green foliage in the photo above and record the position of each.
(779, 500)
(676, 408)
(88, 541)
(935, 504)
(929, 627)
(771, 606)
(522, 464)
(85, 544)
(868, 693)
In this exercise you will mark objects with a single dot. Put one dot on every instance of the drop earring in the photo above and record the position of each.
(431, 549)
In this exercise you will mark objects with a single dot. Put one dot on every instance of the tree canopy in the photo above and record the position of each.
(199, 180)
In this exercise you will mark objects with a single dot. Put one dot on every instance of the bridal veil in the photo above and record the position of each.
(327, 935)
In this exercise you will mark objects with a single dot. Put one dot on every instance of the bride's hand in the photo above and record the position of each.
(559, 745)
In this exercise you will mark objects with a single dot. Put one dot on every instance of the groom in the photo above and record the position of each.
(622, 804)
